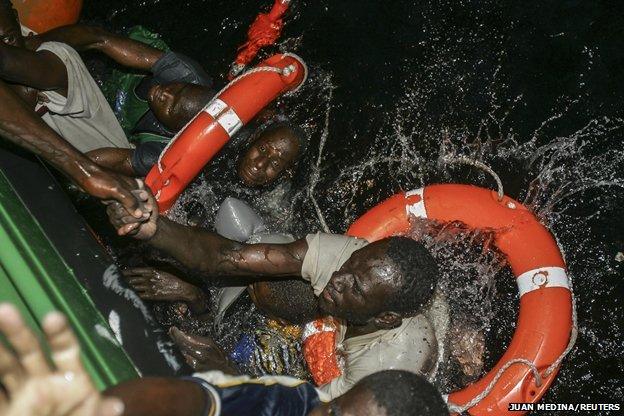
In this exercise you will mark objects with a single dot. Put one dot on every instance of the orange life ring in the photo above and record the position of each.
(198, 142)
(43, 15)
(545, 318)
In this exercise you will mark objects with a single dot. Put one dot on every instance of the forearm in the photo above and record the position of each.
(210, 253)
(161, 396)
(79, 37)
(20, 125)
(121, 49)
(115, 159)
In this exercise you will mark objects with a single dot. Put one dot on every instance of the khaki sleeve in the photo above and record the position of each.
(326, 254)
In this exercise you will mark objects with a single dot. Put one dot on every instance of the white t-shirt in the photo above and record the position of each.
(412, 346)
(83, 118)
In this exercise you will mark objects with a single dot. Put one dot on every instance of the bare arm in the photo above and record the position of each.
(20, 125)
(210, 253)
(121, 49)
(160, 396)
(42, 70)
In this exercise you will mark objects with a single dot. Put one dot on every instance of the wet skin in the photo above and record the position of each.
(201, 353)
(359, 289)
(153, 284)
(268, 157)
(177, 103)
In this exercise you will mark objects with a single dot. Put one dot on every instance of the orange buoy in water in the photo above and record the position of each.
(240, 101)
(546, 327)
(43, 15)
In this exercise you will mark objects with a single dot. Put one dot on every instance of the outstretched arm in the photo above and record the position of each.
(121, 49)
(20, 125)
(208, 252)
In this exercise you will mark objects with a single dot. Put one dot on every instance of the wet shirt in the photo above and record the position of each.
(83, 118)
(265, 396)
(412, 346)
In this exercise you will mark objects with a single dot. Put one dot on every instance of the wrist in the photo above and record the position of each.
(197, 300)
(84, 170)
(161, 228)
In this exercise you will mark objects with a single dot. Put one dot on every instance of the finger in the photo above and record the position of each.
(111, 406)
(23, 340)
(183, 340)
(142, 270)
(127, 229)
(190, 360)
(64, 346)
(4, 401)
(130, 203)
(149, 296)
(137, 280)
(143, 289)
(11, 371)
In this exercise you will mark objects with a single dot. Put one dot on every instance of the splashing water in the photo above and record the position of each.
(526, 88)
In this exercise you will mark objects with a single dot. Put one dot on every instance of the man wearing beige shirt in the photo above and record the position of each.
(378, 290)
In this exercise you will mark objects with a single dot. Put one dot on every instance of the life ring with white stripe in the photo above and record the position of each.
(545, 316)
(233, 107)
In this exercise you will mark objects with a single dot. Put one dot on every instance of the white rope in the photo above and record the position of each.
(454, 408)
(279, 71)
(463, 160)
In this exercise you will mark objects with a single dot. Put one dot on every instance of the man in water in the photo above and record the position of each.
(153, 108)
(31, 386)
(377, 290)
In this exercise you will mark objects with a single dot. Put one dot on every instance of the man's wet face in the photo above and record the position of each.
(358, 291)
(176, 104)
(268, 157)
(358, 401)
(10, 30)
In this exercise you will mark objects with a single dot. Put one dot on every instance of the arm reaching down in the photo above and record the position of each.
(41, 70)
(123, 50)
(21, 126)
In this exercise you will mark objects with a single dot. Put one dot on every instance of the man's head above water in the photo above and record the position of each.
(387, 393)
(381, 283)
(177, 103)
(10, 30)
(272, 152)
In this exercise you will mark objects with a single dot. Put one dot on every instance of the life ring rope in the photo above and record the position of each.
(454, 408)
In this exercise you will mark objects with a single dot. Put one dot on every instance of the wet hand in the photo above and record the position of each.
(35, 387)
(201, 353)
(468, 347)
(153, 284)
(127, 224)
(112, 187)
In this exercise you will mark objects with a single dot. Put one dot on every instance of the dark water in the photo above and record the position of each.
(532, 88)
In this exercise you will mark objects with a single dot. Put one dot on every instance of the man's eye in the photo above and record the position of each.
(262, 148)
(275, 164)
